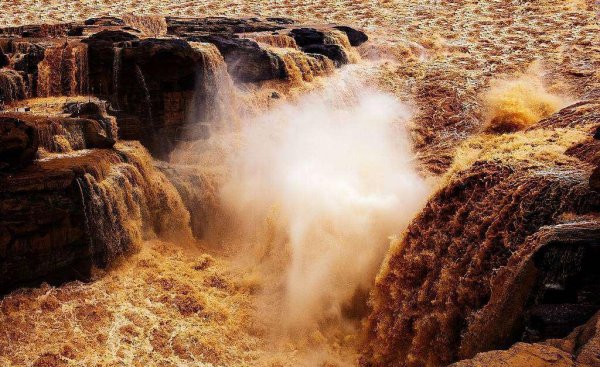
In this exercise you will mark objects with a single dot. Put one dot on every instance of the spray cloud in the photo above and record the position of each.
(319, 185)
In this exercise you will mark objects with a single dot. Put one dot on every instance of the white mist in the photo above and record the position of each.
(320, 185)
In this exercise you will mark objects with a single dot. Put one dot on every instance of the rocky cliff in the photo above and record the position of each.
(74, 195)
(502, 253)
(153, 83)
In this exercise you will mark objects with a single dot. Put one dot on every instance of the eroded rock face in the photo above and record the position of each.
(436, 281)
(65, 134)
(312, 40)
(152, 83)
(580, 348)
(246, 60)
(18, 143)
(64, 214)
(355, 36)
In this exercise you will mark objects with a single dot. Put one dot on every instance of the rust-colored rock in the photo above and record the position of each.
(65, 213)
(246, 60)
(438, 278)
(18, 143)
(580, 348)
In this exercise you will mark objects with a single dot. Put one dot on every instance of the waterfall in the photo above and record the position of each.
(12, 86)
(132, 201)
(441, 274)
(215, 95)
(63, 71)
(276, 40)
(116, 71)
(55, 137)
(142, 81)
(335, 37)
(302, 67)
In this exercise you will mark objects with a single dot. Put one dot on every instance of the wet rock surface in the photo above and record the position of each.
(18, 143)
(149, 82)
(60, 169)
(579, 348)
(65, 214)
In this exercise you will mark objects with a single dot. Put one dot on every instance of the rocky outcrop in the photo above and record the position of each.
(153, 84)
(150, 82)
(18, 143)
(316, 41)
(439, 278)
(246, 60)
(65, 134)
(543, 295)
(580, 348)
(355, 36)
(64, 214)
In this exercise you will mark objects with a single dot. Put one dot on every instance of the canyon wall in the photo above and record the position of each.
(503, 252)
(75, 195)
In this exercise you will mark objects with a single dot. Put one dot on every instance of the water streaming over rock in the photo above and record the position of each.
(63, 71)
(12, 86)
(118, 51)
(142, 80)
(276, 40)
(215, 99)
(56, 137)
(130, 202)
(438, 275)
(335, 37)
(302, 67)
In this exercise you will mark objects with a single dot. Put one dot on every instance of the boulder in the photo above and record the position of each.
(246, 60)
(18, 143)
(355, 36)
(333, 52)
(308, 36)
(311, 40)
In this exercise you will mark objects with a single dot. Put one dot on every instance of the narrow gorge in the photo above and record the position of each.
(196, 190)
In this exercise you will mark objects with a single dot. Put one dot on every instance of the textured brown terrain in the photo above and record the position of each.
(499, 268)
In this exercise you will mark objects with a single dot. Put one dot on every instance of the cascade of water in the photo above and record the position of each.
(12, 86)
(142, 81)
(56, 137)
(131, 202)
(116, 71)
(302, 67)
(63, 71)
(276, 40)
(215, 94)
(335, 37)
